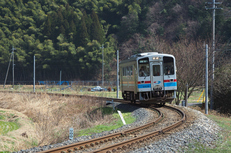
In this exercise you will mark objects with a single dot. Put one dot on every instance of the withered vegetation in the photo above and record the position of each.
(51, 117)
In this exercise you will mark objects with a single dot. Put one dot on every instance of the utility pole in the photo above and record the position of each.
(60, 78)
(186, 95)
(214, 8)
(11, 56)
(34, 76)
(206, 79)
(7, 71)
(13, 64)
(102, 67)
(117, 82)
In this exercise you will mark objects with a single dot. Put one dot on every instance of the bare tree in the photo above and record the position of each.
(190, 61)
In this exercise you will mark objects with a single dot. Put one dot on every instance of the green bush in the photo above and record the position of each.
(115, 88)
(222, 89)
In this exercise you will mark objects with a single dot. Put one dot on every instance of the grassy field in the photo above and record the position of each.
(196, 96)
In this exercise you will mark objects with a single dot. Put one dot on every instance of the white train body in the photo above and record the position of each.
(148, 76)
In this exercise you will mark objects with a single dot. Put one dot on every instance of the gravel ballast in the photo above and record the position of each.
(202, 130)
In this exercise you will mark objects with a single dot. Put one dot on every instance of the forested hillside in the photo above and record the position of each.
(67, 35)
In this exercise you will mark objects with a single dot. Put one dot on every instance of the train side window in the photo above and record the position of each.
(131, 73)
(156, 70)
(127, 71)
(124, 73)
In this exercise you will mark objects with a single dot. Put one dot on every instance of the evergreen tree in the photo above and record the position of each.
(88, 21)
(47, 27)
(66, 25)
(72, 27)
(72, 31)
(60, 17)
(54, 27)
(83, 35)
(62, 30)
(129, 25)
(227, 31)
(96, 29)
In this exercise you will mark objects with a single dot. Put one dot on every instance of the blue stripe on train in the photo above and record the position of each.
(170, 84)
(144, 85)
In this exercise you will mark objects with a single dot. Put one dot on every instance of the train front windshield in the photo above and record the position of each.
(144, 69)
(168, 65)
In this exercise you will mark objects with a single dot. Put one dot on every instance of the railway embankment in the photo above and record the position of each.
(197, 129)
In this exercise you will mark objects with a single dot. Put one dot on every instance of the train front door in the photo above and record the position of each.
(157, 79)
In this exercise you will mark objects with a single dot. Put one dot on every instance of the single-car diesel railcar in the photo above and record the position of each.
(148, 76)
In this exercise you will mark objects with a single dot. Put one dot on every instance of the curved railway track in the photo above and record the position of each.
(127, 144)
(124, 144)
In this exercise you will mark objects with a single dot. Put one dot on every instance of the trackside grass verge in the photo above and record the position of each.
(8, 122)
(113, 125)
(222, 146)
(225, 123)
(5, 127)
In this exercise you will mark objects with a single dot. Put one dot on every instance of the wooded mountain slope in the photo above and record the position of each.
(67, 35)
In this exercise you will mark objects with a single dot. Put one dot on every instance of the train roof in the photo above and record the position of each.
(146, 54)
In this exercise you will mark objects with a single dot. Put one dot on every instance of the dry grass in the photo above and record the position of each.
(52, 116)
(210, 112)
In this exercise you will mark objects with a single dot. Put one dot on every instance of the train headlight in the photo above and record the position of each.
(155, 58)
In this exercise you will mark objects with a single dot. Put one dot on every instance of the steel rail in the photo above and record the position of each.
(100, 140)
(124, 145)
